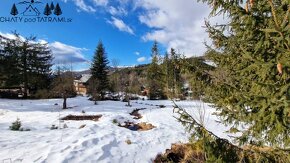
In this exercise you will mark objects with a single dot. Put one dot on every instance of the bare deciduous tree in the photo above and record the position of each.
(62, 85)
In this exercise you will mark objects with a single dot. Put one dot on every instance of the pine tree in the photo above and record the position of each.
(99, 69)
(167, 70)
(155, 75)
(14, 10)
(47, 10)
(51, 6)
(172, 64)
(27, 63)
(57, 10)
(197, 72)
(176, 72)
(251, 81)
(10, 60)
(3, 63)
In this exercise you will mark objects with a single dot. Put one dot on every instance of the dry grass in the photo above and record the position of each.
(143, 126)
(128, 141)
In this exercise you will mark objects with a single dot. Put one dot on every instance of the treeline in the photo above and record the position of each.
(168, 76)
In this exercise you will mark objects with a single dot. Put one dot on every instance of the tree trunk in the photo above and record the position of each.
(129, 102)
(128, 99)
(64, 102)
(25, 77)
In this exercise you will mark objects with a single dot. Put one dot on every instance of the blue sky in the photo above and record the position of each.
(127, 28)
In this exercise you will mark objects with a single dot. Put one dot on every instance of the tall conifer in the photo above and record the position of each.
(99, 70)
(155, 75)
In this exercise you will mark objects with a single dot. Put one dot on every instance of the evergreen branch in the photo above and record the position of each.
(285, 20)
(249, 149)
(277, 22)
(274, 13)
(194, 122)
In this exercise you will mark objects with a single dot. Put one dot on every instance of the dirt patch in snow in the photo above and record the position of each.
(82, 117)
(180, 153)
(143, 126)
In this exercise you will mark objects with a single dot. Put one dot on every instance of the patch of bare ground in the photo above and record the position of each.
(182, 153)
(187, 153)
(82, 117)
(143, 126)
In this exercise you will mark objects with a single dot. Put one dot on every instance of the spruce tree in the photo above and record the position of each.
(2, 62)
(172, 66)
(57, 10)
(155, 75)
(197, 72)
(26, 62)
(251, 84)
(10, 59)
(99, 70)
(176, 72)
(47, 10)
(167, 70)
(14, 10)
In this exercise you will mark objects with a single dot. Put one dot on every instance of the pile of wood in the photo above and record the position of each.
(82, 117)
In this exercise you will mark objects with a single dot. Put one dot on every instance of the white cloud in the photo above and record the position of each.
(137, 53)
(11, 36)
(66, 53)
(101, 2)
(117, 11)
(175, 24)
(83, 6)
(41, 41)
(118, 23)
(62, 53)
(141, 59)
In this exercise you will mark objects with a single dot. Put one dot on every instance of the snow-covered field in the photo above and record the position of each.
(98, 141)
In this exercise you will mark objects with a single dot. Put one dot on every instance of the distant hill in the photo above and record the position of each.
(112, 69)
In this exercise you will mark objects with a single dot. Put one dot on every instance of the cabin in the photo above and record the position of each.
(81, 83)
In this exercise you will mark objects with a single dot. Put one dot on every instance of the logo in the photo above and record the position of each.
(35, 12)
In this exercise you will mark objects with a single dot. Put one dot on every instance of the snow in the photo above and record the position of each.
(98, 141)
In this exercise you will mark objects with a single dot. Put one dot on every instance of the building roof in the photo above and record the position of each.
(85, 78)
